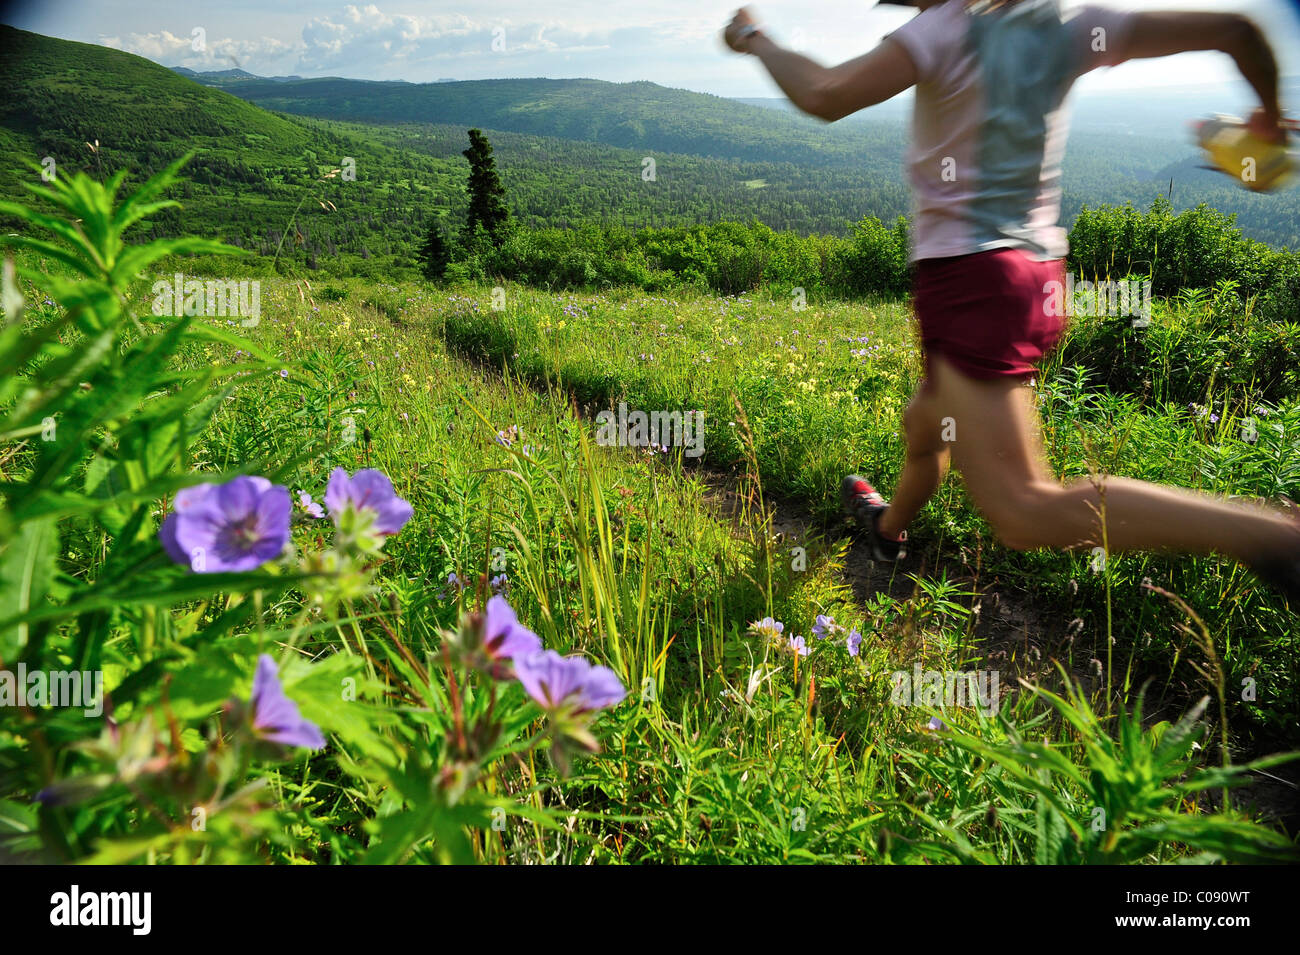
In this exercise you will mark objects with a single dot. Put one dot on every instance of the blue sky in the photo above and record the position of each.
(672, 43)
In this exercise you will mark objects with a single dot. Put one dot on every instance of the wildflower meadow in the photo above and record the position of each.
(358, 583)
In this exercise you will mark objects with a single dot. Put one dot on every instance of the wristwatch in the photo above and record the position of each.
(745, 32)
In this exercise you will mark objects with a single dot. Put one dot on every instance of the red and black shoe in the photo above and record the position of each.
(864, 504)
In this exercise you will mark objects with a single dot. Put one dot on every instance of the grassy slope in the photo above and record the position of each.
(822, 390)
(730, 749)
(697, 768)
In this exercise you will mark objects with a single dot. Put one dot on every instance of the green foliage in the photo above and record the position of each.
(1189, 355)
(1112, 800)
(157, 755)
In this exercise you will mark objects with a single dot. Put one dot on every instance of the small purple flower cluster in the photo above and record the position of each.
(824, 628)
(308, 505)
(455, 587)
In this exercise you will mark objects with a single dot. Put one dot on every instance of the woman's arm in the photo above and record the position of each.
(1168, 32)
(829, 93)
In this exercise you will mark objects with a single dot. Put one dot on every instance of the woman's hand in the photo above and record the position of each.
(1269, 127)
(732, 34)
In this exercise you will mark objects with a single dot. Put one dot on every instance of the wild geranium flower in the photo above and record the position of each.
(235, 526)
(369, 496)
(504, 637)
(767, 627)
(571, 683)
(454, 586)
(825, 627)
(798, 647)
(275, 716)
(500, 584)
(310, 506)
(854, 643)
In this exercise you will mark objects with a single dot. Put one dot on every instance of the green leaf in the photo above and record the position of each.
(26, 568)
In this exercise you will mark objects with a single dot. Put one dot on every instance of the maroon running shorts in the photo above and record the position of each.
(991, 314)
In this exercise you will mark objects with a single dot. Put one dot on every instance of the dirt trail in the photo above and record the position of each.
(1010, 633)
(1007, 623)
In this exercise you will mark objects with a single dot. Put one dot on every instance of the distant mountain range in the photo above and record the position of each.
(638, 115)
(221, 78)
(570, 151)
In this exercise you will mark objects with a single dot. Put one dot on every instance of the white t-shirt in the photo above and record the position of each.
(989, 125)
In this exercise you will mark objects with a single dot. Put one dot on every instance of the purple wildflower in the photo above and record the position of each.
(454, 586)
(311, 507)
(556, 681)
(367, 490)
(275, 716)
(235, 526)
(854, 643)
(798, 647)
(504, 637)
(825, 627)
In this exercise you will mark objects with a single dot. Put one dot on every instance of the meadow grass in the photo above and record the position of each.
(735, 750)
(732, 745)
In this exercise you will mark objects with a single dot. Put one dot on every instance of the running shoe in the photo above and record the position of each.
(864, 504)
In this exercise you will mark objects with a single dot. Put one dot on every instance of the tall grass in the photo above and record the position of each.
(729, 746)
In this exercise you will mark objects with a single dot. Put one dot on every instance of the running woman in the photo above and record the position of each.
(988, 135)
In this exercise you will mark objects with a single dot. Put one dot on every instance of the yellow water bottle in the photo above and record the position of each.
(1233, 149)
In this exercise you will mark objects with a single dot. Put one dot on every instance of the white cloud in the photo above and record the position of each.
(673, 44)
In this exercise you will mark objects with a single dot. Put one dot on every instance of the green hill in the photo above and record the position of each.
(61, 95)
(640, 115)
(571, 152)
(1120, 154)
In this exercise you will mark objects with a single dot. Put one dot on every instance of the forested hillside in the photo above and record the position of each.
(1124, 152)
(253, 168)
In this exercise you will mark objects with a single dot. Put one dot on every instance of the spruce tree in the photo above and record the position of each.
(435, 252)
(487, 197)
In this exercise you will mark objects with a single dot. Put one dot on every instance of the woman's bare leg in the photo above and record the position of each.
(997, 449)
(924, 468)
